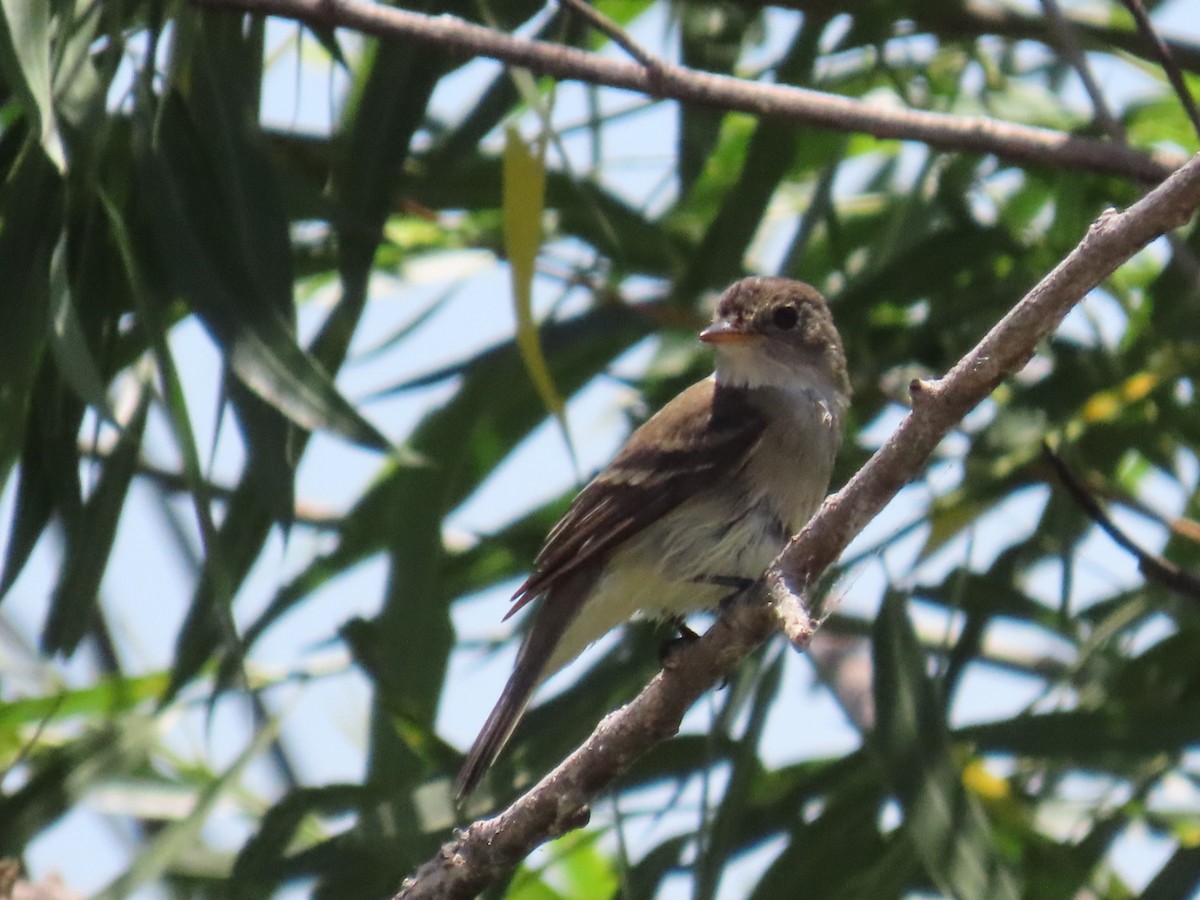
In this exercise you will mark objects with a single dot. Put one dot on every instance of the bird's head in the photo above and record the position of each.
(775, 332)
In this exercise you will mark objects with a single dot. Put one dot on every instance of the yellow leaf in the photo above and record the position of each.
(524, 203)
(1106, 405)
(1188, 834)
(979, 781)
(1136, 387)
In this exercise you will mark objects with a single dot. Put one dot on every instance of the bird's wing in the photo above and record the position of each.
(695, 438)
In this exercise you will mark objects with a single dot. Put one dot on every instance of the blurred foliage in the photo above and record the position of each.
(143, 195)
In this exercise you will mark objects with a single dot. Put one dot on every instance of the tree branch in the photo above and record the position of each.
(968, 134)
(980, 18)
(1155, 568)
(939, 405)
(489, 848)
(1165, 58)
(613, 32)
(1071, 53)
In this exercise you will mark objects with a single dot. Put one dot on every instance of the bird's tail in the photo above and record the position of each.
(554, 613)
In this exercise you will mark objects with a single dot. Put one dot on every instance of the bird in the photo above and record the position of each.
(702, 496)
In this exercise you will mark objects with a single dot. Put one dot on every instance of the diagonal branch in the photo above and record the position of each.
(1071, 53)
(613, 32)
(1155, 568)
(940, 405)
(982, 18)
(1166, 59)
(488, 849)
(968, 134)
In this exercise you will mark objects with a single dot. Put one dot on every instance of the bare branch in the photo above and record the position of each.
(1180, 526)
(1155, 568)
(614, 32)
(489, 848)
(939, 405)
(982, 18)
(1069, 49)
(1166, 59)
(968, 134)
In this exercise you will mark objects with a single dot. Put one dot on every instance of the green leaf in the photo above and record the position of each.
(711, 37)
(188, 222)
(218, 580)
(584, 210)
(385, 107)
(945, 825)
(156, 855)
(769, 157)
(25, 47)
(1099, 738)
(500, 98)
(105, 697)
(655, 867)
(577, 863)
(756, 685)
(269, 858)
(48, 482)
(89, 542)
(61, 776)
(31, 200)
(68, 343)
(232, 551)
(1177, 879)
(840, 851)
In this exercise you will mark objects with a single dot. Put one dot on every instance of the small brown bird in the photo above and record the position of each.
(702, 496)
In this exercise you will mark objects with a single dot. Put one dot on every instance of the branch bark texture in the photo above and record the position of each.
(968, 134)
(489, 848)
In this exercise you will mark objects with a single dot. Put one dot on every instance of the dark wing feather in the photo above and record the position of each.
(702, 434)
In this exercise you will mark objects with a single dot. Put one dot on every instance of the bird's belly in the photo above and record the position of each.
(669, 570)
(696, 543)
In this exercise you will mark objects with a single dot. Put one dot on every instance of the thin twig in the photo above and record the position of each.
(613, 32)
(985, 18)
(968, 134)
(1070, 50)
(1180, 526)
(1065, 32)
(1155, 568)
(488, 849)
(1166, 59)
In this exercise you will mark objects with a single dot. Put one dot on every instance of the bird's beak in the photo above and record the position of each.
(725, 332)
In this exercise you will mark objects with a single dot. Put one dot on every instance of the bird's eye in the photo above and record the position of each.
(785, 317)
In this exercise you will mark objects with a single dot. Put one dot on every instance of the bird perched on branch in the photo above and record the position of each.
(701, 498)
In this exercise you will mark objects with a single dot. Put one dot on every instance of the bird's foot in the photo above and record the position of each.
(735, 583)
(669, 650)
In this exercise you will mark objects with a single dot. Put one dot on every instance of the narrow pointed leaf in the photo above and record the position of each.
(945, 825)
(67, 341)
(155, 856)
(25, 58)
(524, 204)
(90, 540)
(31, 201)
(258, 343)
